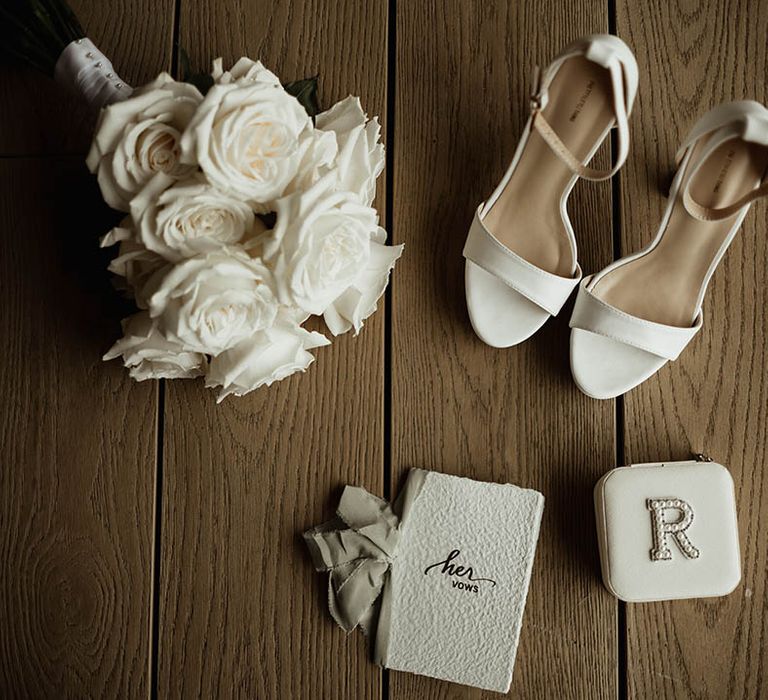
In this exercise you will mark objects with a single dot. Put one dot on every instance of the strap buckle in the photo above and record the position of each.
(536, 100)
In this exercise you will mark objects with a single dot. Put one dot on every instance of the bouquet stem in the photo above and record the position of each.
(46, 35)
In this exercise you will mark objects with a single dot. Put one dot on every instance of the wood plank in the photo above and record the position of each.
(463, 80)
(714, 398)
(241, 609)
(78, 451)
(40, 117)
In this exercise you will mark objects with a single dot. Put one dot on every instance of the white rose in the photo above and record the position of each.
(244, 69)
(359, 300)
(249, 136)
(149, 355)
(360, 159)
(211, 302)
(190, 217)
(317, 161)
(321, 148)
(133, 262)
(265, 357)
(319, 246)
(139, 137)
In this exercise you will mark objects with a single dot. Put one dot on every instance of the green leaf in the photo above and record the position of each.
(269, 219)
(184, 63)
(202, 81)
(305, 91)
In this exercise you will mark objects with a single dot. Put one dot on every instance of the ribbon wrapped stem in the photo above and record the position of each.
(86, 71)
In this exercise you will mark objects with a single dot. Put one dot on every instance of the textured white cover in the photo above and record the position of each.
(459, 634)
(625, 537)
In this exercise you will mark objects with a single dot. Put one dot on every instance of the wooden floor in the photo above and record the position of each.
(149, 539)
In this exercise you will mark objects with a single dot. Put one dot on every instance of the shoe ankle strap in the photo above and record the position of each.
(702, 213)
(545, 130)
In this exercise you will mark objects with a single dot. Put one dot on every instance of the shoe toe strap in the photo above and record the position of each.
(592, 314)
(543, 288)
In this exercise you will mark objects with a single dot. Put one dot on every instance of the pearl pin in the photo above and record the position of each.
(660, 528)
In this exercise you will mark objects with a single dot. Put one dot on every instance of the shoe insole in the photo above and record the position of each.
(665, 284)
(526, 216)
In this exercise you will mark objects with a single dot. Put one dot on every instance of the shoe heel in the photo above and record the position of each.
(728, 112)
(602, 48)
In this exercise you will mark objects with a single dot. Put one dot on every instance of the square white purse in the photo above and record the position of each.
(668, 531)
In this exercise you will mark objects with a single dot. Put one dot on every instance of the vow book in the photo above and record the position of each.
(460, 580)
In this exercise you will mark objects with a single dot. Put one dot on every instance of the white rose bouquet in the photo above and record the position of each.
(247, 209)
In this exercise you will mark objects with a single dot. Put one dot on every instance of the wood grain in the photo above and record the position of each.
(77, 482)
(458, 406)
(78, 438)
(715, 397)
(39, 116)
(242, 612)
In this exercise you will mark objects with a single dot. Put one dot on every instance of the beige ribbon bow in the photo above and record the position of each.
(357, 549)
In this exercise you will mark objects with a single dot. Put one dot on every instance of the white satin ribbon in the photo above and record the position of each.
(358, 549)
(86, 71)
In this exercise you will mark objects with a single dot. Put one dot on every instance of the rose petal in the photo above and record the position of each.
(263, 358)
(359, 301)
(149, 355)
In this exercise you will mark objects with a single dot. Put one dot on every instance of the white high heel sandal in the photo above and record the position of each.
(521, 253)
(643, 310)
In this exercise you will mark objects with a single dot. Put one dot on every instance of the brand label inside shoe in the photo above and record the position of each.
(582, 100)
(728, 162)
